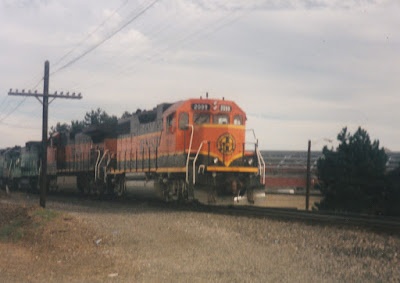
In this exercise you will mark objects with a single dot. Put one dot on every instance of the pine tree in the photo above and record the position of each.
(352, 177)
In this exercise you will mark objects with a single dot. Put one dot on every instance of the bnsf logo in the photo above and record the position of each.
(226, 144)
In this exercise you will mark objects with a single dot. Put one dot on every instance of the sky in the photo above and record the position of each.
(301, 69)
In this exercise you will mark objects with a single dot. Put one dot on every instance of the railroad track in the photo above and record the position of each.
(379, 223)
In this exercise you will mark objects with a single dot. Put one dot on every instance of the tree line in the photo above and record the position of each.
(92, 118)
(353, 177)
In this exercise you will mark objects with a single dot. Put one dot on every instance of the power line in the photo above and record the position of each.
(3, 104)
(19, 126)
(154, 30)
(13, 110)
(181, 39)
(105, 39)
(90, 34)
(20, 103)
(4, 100)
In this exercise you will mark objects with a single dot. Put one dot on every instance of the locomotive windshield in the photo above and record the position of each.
(221, 119)
(201, 118)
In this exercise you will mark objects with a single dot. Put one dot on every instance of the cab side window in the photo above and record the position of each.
(171, 123)
(238, 120)
(183, 121)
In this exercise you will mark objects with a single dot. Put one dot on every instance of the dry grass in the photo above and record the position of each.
(40, 244)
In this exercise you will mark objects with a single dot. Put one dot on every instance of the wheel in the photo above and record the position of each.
(52, 184)
(99, 187)
(80, 183)
(120, 186)
(250, 195)
(184, 188)
(212, 191)
(87, 185)
(162, 190)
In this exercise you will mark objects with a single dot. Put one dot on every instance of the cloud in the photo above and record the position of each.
(300, 69)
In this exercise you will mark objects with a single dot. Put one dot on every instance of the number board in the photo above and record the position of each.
(201, 107)
(225, 108)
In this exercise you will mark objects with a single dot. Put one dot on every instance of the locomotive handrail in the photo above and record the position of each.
(194, 161)
(95, 166)
(9, 170)
(188, 156)
(261, 166)
(254, 134)
(98, 166)
(260, 159)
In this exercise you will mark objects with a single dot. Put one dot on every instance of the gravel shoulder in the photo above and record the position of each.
(145, 242)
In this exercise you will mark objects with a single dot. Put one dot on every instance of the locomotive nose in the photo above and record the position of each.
(224, 143)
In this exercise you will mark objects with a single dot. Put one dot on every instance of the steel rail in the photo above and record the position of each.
(355, 220)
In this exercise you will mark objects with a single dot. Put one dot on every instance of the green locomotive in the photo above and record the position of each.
(20, 166)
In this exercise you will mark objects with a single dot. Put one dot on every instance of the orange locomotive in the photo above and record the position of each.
(85, 156)
(192, 149)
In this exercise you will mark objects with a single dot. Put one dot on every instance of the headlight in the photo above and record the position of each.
(250, 161)
(215, 160)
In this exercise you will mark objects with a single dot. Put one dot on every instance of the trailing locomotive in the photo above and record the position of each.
(192, 149)
(20, 167)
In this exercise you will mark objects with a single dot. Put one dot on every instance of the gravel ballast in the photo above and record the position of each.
(157, 243)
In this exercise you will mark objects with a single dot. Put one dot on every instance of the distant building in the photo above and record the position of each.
(287, 170)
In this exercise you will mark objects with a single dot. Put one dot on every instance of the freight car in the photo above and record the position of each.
(194, 149)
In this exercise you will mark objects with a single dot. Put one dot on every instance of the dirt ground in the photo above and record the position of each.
(77, 240)
(46, 246)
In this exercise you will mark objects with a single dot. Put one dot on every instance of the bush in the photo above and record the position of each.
(352, 177)
(392, 193)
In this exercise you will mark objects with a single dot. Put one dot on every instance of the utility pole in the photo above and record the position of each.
(45, 119)
(45, 102)
(308, 175)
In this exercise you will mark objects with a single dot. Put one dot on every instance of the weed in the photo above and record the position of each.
(45, 214)
(19, 227)
(14, 230)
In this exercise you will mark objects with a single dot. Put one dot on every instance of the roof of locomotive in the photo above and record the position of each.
(166, 109)
(212, 101)
(33, 143)
(149, 121)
